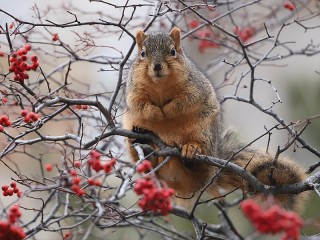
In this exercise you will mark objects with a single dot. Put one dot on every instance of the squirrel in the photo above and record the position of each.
(169, 96)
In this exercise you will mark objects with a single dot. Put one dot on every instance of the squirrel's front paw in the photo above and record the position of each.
(190, 149)
(153, 112)
(169, 110)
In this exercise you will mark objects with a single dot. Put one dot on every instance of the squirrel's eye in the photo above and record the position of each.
(143, 53)
(173, 52)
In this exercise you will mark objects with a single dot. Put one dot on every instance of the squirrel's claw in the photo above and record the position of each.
(139, 130)
(190, 149)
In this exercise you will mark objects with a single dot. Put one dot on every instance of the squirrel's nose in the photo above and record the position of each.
(157, 67)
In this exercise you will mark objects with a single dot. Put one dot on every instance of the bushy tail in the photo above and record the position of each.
(263, 166)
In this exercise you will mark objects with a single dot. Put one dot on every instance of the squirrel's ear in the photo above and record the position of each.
(175, 35)
(140, 37)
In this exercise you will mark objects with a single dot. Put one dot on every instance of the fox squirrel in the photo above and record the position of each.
(167, 95)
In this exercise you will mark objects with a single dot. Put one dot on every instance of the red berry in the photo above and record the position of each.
(245, 33)
(33, 116)
(24, 112)
(48, 167)
(77, 164)
(35, 65)
(3, 119)
(80, 193)
(97, 166)
(95, 154)
(14, 209)
(4, 188)
(13, 185)
(11, 25)
(55, 37)
(19, 194)
(76, 180)
(8, 123)
(27, 47)
(97, 183)
(9, 192)
(12, 59)
(24, 58)
(23, 66)
(27, 119)
(91, 181)
(144, 166)
(73, 173)
(4, 100)
(75, 188)
(194, 24)
(67, 235)
(289, 5)
(34, 58)
(11, 68)
(1, 128)
(12, 218)
(112, 161)
(19, 52)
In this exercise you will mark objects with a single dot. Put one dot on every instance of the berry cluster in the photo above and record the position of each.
(76, 180)
(204, 44)
(273, 220)
(4, 122)
(94, 182)
(154, 198)
(7, 228)
(144, 166)
(96, 164)
(76, 183)
(245, 34)
(18, 63)
(29, 117)
(10, 190)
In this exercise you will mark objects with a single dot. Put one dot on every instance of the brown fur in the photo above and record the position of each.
(169, 96)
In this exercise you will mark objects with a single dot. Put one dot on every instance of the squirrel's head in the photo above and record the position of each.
(160, 54)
